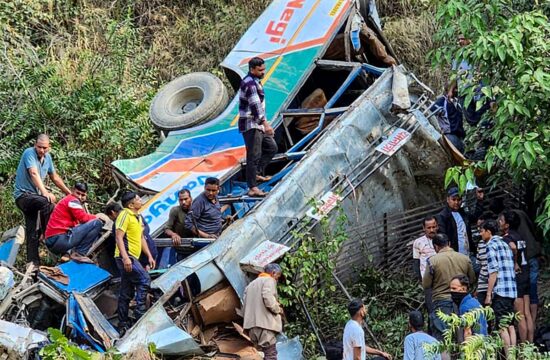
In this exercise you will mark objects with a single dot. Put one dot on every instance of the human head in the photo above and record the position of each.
(440, 241)
(453, 199)
(184, 199)
(487, 215)
(488, 229)
(42, 145)
(430, 226)
(211, 188)
(460, 283)
(112, 210)
(416, 321)
(131, 200)
(356, 309)
(80, 191)
(256, 66)
(274, 270)
(508, 220)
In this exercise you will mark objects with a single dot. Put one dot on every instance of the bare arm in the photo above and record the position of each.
(373, 351)
(145, 249)
(58, 181)
(491, 284)
(356, 353)
(37, 181)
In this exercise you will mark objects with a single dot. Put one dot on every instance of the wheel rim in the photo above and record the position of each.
(185, 101)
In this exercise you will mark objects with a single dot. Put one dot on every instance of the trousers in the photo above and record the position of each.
(80, 238)
(135, 282)
(31, 205)
(260, 149)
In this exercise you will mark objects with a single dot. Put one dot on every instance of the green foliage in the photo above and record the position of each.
(510, 53)
(477, 346)
(61, 348)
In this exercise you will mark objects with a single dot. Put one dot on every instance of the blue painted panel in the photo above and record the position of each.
(82, 277)
(5, 250)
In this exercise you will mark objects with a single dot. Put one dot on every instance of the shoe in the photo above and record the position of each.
(81, 258)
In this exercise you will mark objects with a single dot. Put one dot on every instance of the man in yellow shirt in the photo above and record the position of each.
(130, 242)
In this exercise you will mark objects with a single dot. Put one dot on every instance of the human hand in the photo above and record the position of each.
(386, 355)
(127, 264)
(269, 130)
(517, 268)
(152, 262)
(488, 299)
(50, 196)
(176, 240)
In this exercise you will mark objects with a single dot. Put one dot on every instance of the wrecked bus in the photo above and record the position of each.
(353, 128)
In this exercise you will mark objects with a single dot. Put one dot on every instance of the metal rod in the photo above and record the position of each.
(312, 323)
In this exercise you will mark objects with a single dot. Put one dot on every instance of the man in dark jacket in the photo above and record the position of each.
(454, 222)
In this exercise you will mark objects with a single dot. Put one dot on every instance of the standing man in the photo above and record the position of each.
(501, 290)
(508, 222)
(130, 242)
(454, 222)
(442, 267)
(483, 277)
(253, 125)
(262, 311)
(353, 341)
(423, 249)
(414, 342)
(175, 227)
(31, 196)
(71, 227)
(205, 217)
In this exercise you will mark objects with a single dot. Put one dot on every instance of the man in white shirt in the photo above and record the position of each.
(354, 335)
(423, 249)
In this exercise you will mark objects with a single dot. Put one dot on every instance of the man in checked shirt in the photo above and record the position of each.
(257, 133)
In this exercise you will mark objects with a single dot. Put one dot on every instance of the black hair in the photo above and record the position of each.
(463, 279)
(491, 226)
(127, 198)
(496, 205)
(416, 319)
(511, 218)
(112, 207)
(354, 306)
(183, 191)
(255, 62)
(212, 181)
(429, 218)
(440, 240)
(81, 186)
(487, 215)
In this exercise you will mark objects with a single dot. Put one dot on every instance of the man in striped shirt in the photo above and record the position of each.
(256, 131)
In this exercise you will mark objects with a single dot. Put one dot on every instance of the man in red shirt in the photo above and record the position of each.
(71, 227)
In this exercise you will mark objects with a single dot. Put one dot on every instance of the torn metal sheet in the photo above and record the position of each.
(158, 328)
(267, 252)
(20, 339)
(6, 281)
(10, 243)
(289, 348)
(95, 318)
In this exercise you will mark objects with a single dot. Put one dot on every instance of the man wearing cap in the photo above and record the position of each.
(130, 243)
(71, 228)
(31, 195)
(262, 311)
(454, 222)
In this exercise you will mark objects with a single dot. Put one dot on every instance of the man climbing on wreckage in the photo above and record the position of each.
(71, 228)
(31, 195)
(130, 243)
(257, 133)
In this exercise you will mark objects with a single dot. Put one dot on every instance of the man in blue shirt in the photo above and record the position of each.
(466, 302)
(414, 342)
(205, 217)
(31, 195)
(253, 125)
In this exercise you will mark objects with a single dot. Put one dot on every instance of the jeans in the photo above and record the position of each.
(80, 238)
(533, 278)
(260, 149)
(31, 205)
(439, 327)
(134, 282)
